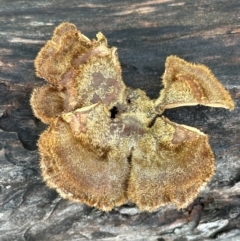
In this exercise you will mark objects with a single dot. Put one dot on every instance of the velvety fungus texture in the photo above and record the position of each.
(108, 144)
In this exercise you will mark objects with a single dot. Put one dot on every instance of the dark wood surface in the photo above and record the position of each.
(145, 33)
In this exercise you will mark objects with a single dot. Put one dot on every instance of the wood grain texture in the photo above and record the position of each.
(145, 32)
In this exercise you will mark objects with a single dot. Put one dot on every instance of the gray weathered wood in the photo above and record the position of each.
(145, 32)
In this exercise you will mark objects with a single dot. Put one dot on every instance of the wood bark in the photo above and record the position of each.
(145, 33)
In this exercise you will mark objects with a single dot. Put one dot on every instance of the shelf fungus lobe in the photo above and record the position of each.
(108, 144)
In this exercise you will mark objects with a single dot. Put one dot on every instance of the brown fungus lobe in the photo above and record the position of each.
(107, 144)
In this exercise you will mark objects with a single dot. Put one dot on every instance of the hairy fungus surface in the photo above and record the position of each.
(108, 144)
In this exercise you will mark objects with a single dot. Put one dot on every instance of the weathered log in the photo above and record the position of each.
(145, 32)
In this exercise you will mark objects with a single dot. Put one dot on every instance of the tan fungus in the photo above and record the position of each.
(108, 144)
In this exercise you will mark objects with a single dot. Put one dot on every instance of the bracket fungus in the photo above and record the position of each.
(108, 144)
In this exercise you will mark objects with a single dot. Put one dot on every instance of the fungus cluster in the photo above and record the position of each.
(108, 144)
